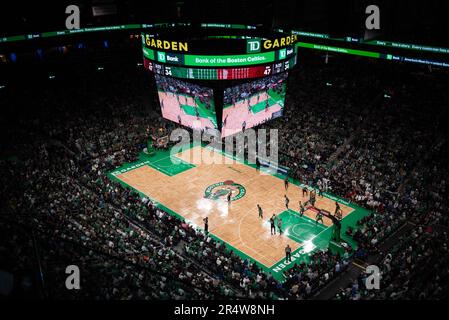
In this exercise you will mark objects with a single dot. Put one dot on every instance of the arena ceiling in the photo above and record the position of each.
(403, 20)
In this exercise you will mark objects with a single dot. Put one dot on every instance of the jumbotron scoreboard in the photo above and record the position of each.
(222, 78)
(212, 54)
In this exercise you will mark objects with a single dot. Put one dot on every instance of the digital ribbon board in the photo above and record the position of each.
(220, 73)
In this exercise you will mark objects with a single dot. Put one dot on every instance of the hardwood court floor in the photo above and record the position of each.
(237, 224)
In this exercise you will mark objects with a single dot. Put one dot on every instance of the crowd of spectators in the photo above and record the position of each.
(415, 269)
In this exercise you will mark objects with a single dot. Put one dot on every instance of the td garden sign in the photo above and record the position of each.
(252, 46)
(256, 45)
(165, 44)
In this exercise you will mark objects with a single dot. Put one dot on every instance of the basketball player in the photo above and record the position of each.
(228, 197)
(320, 190)
(301, 209)
(288, 253)
(338, 211)
(339, 215)
(273, 224)
(304, 192)
(287, 201)
(257, 164)
(319, 217)
(337, 207)
(280, 226)
(260, 211)
(206, 225)
(312, 198)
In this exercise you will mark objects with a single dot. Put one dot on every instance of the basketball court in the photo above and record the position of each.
(186, 186)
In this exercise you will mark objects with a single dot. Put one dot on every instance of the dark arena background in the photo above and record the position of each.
(251, 151)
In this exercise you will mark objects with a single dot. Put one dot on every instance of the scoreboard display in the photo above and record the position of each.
(257, 65)
(249, 72)
(247, 56)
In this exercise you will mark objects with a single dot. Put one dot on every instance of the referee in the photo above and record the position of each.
(286, 183)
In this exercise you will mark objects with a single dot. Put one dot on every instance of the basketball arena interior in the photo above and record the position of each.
(242, 150)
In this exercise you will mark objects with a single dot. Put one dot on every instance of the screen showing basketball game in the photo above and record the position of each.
(251, 104)
(185, 103)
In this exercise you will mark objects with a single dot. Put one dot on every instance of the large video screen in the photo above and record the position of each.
(188, 104)
(251, 104)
